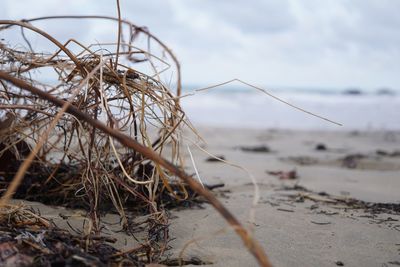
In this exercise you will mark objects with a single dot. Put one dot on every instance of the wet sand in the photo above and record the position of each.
(295, 231)
(309, 221)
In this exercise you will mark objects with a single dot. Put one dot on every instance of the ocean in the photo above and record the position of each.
(242, 107)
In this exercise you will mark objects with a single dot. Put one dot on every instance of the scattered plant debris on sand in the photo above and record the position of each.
(348, 203)
(27, 239)
(351, 161)
(395, 153)
(285, 175)
(256, 149)
(301, 160)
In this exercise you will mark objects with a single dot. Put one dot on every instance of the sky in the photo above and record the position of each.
(281, 43)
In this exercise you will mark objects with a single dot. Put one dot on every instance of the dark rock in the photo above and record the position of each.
(320, 147)
(386, 91)
(353, 91)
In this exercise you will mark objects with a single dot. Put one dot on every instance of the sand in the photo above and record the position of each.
(292, 233)
(294, 230)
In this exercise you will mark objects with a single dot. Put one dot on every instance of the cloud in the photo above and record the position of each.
(333, 43)
(260, 17)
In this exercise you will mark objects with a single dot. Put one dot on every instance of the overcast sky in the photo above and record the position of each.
(307, 43)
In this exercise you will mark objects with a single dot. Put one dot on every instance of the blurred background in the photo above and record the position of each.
(339, 59)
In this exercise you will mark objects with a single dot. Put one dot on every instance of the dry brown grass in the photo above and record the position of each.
(101, 134)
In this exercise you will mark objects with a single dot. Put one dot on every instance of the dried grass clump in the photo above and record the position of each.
(79, 165)
(83, 127)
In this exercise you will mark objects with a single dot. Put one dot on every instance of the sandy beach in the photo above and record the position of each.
(300, 231)
(199, 133)
(327, 216)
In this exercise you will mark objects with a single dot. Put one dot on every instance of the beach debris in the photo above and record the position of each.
(339, 263)
(328, 213)
(301, 160)
(388, 219)
(321, 147)
(353, 91)
(344, 202)
(256, 149)
(286, 210)
(316, 197)
(214, 186)
(295, 187)
(217, 158)
(391, 136)
(355, 133)
(31, 240)
(77, 156)
(351, 161)
(10, 255)
(188, 261)
(386, 91)
(395, 153)
(101, 135)
(285, 175)
(320, 223)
